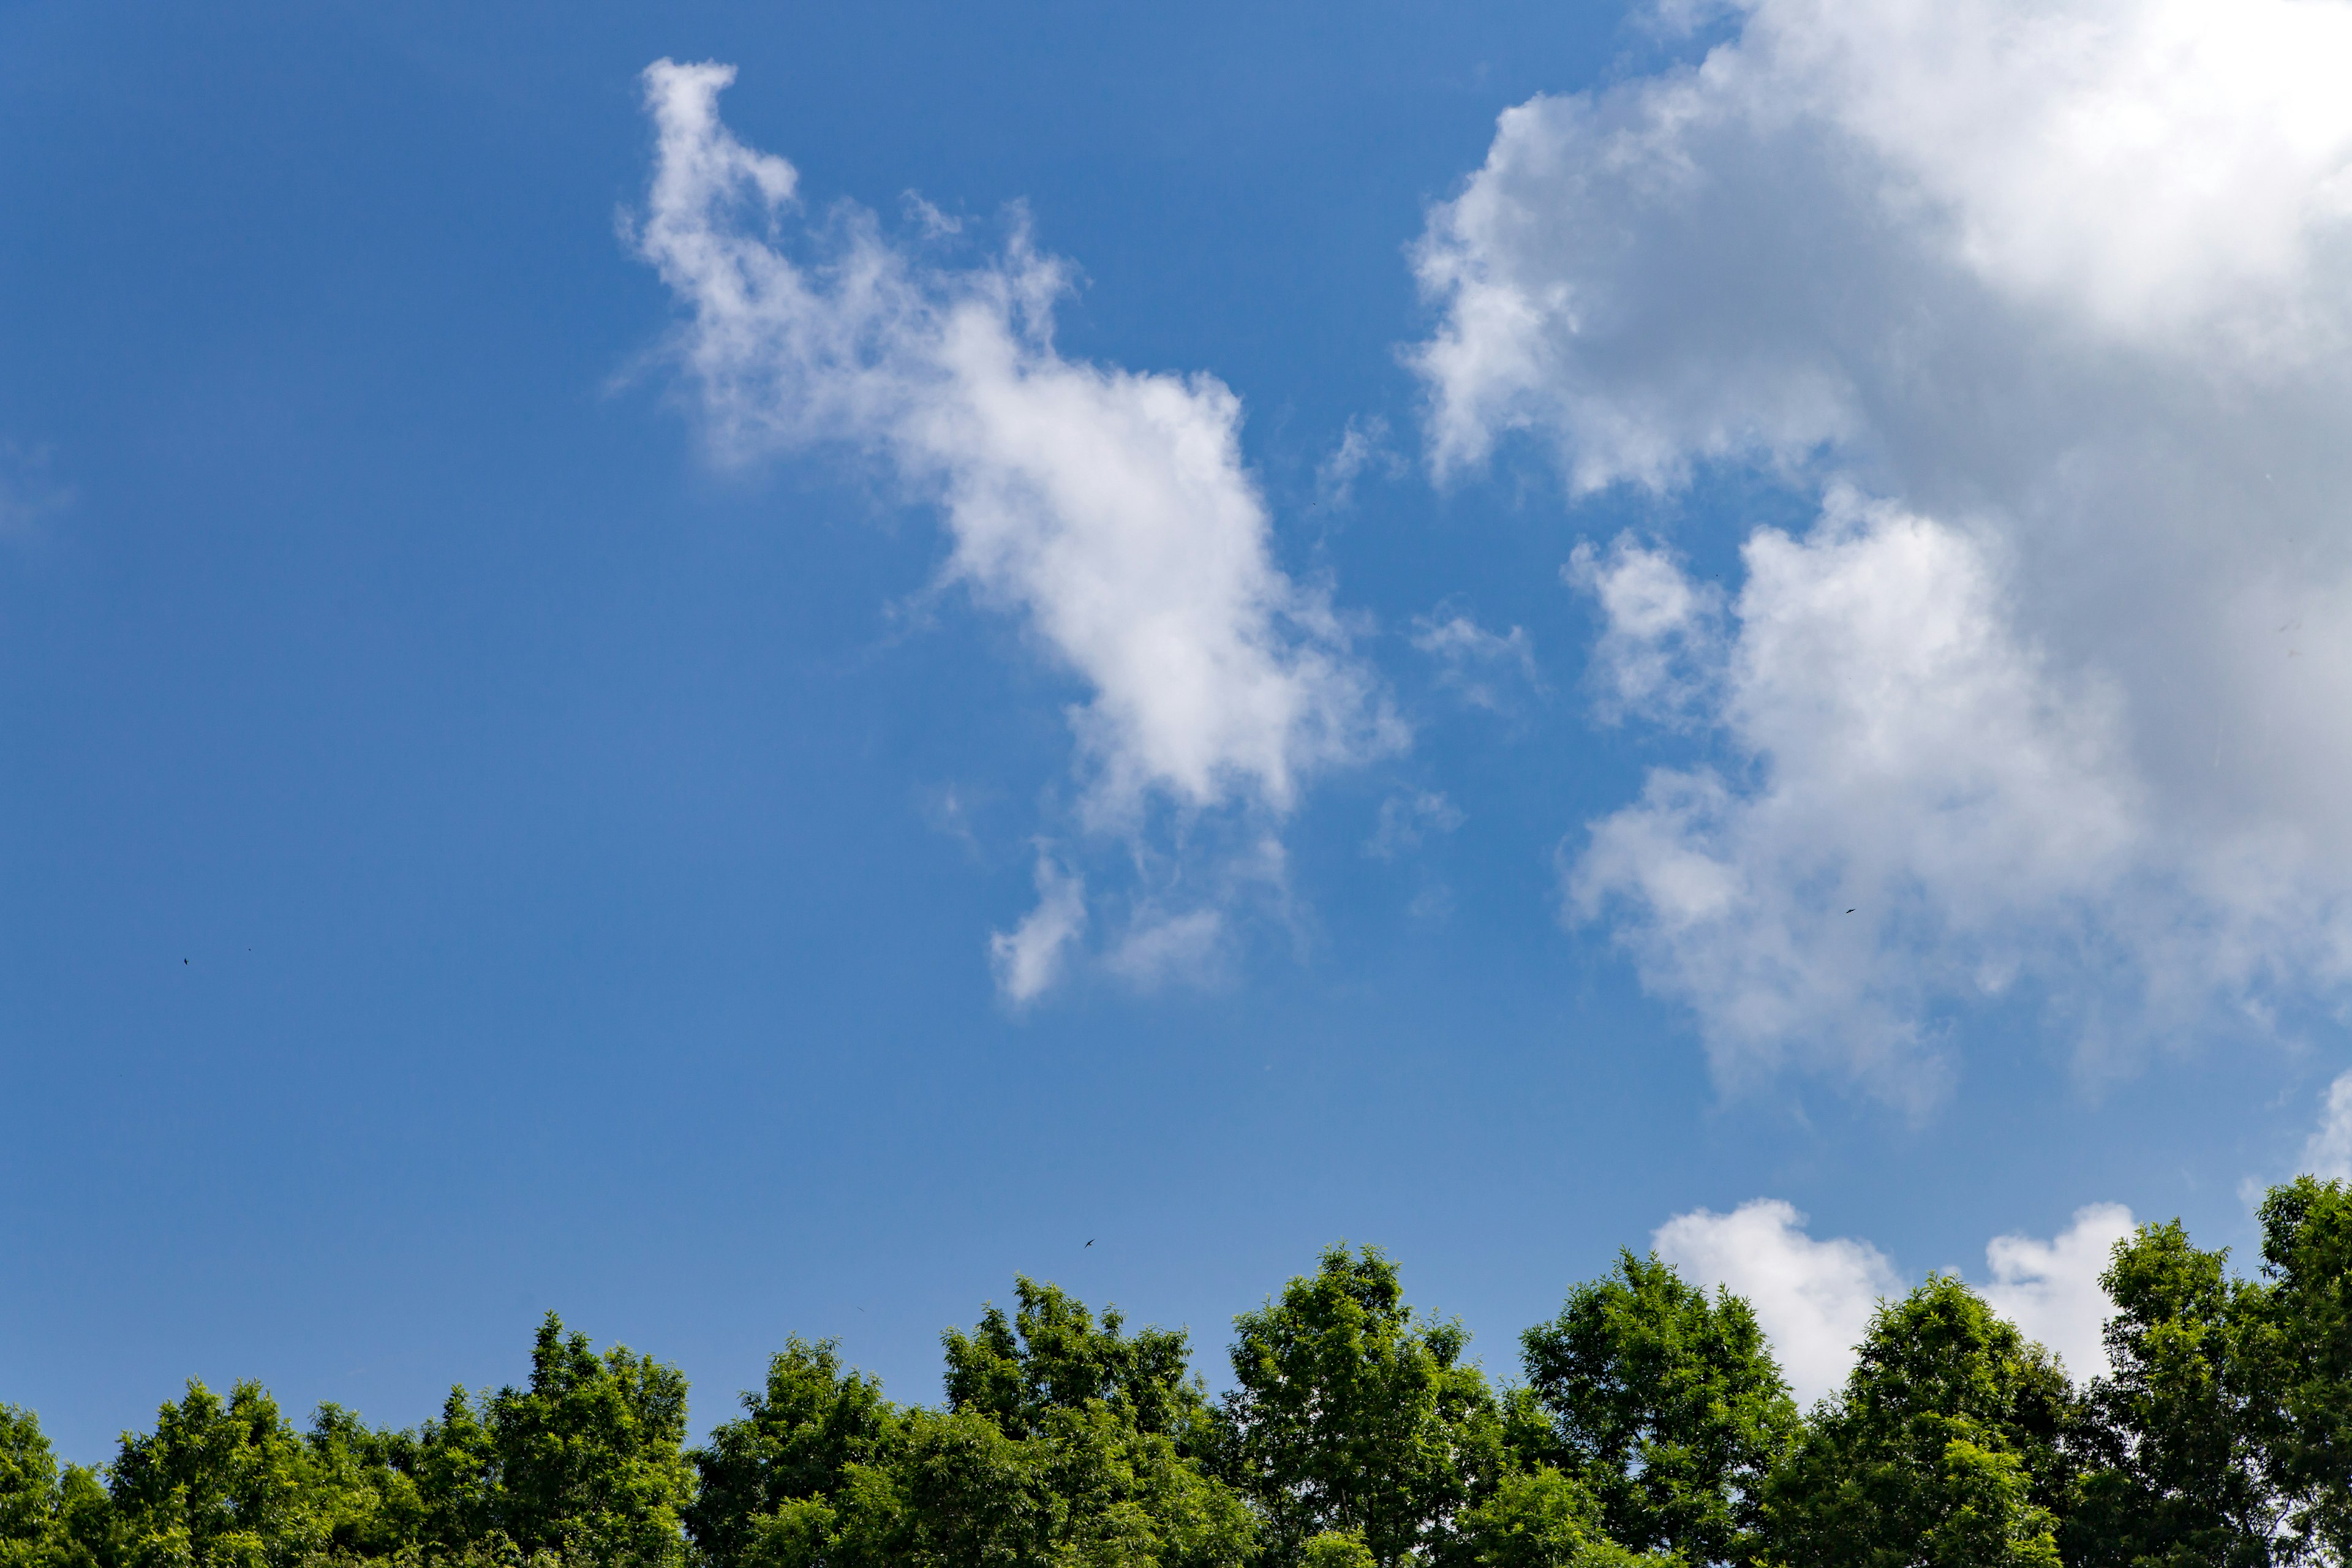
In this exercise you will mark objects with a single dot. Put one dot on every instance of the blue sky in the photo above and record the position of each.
(499, 812)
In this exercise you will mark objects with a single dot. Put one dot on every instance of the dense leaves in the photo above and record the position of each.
(1051, 1356)
(1352, 1415)
(1947, 1446)
(1652, 1429)
(1668, 1404)
(2304, 1360)
(2176, 1471)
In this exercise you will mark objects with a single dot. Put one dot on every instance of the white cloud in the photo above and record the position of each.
(1917, 778)
(1110, 511)
(2329, 1154)
(1029, 958)
(1660, 636)
(1813, 1299)
(1159, 947)
(28, 492)
(2068, 284)
(2050, 1288)
(1406, 820)
(1363, 445)
(1487, 669)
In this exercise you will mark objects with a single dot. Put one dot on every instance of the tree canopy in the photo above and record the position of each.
(1647, 1425)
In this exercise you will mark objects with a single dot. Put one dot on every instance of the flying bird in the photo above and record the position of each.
(1090, 1241)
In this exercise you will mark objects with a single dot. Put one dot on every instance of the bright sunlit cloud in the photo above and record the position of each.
(1815, 1299)
(2329, 1154)
(2048, 303)
(2050, 1288)
(1109, 512)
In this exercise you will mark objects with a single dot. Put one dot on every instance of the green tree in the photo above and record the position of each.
(29, 1488)
(231, 1484)
(1051, 1454)
(1668, 1404)
(586, 1462)
(1050, 1355)
(1947, 1448)
(50, 1516)
(2305, 1358)
(1335, 1549)
(2172, 1475)
(796, 1439)
(958, 1492)
(1353, 1415)
(1540, 1517)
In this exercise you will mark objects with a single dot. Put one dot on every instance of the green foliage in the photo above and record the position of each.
(1051, 1356)
(2304, 1356)
(1054, 1451)
(28, 1487)
(1352, 1415)
(796, 1441)
(585, 1462)
(2172, 1477)
(1541, 1519)
(1653, 1431)
(956, 1489)
(231, 1484)
(1332, 1549)
(1668, 1404)
(49, 1517)
(1947, 1448)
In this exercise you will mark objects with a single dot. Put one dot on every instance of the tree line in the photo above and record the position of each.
(1649, 1427)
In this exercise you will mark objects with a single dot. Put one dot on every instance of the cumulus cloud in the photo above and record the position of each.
(2050, 1288)
(1915, 779)
(1659, 649)
(2328, 1153)
(2066, 287)
(1814, 1298)
(1109, 512)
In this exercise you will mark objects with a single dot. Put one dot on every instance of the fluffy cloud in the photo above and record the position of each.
(1814, 1298)
(2328, 1153)
(1918, 781)
(2050, 1288)
(1110, 511)
(2066, 285)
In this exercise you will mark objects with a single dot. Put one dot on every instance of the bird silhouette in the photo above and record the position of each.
(1090, 1241)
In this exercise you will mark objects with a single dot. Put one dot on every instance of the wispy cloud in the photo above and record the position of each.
(29, 489)
(1486, 669)
(1109, 512)
(1363, 447)
(1406, 820)
(1029, 957)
